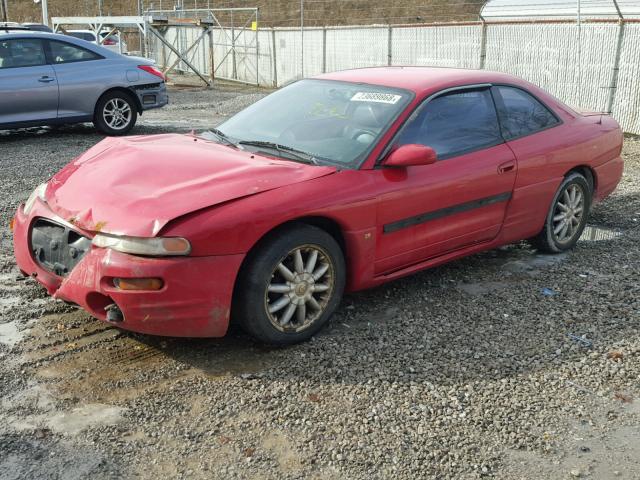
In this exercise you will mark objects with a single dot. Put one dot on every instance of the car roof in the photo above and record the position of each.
(29, 33)
(422, 79)
(57, 36)
(43, 35)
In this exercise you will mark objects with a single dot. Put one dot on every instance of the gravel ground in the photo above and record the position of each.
(463, 371)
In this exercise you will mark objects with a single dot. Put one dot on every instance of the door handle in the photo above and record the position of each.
(507, 167)
(46, 79)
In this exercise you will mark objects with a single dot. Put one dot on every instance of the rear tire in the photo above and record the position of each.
(115, 114)
(290, 285)
(567, 216)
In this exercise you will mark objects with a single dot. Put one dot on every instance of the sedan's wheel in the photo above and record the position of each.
(300, 288)
(290, 286)
(567, 216)
(115, 113)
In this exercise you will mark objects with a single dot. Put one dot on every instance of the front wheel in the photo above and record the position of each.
(115, 113)
(290, 286)
(567, 216)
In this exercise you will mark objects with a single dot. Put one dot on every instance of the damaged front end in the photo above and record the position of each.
(56, 247)
(147, 285)
(93, 235)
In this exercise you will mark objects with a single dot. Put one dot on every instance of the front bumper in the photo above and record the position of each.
(195, 300)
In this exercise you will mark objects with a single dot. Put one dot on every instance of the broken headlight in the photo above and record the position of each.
(154, 247)
(38, 193)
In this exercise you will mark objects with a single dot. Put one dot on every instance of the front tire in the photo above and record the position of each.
(115, 114)
(567, 216)
(290, 285)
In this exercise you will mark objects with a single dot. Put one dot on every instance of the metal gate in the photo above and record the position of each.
(213, 43)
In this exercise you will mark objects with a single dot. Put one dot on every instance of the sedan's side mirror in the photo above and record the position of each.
(411, 155)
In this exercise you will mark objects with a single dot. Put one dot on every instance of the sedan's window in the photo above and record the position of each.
(521, 114)
(62, 52)
(334, 122)
(22, 52)
(454, 123)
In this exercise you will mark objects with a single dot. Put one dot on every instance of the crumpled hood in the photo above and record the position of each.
(136, 185)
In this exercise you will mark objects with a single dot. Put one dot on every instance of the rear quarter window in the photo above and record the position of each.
(62, 52)
(521, 113)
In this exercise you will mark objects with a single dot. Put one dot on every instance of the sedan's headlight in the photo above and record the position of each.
(37, 193)
(155, 247)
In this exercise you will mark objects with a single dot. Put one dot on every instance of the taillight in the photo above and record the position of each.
(109, 41)
(152, 70)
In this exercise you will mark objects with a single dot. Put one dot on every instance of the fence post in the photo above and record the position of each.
(234, 70)
(324, 49)
(613, 88)
(212, 74)
(257, 49)
(483, 45)
(390, 46)
(275, 62)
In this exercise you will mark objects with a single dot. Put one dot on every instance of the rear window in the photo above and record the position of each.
(89, 37)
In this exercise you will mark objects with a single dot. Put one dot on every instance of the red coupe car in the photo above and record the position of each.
(344, 181)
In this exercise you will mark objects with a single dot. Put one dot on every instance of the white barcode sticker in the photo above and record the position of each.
(377, 97)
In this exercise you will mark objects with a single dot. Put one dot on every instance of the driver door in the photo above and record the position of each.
(28, 86)
(431, 210)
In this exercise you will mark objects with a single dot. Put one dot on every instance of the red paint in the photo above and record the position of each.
(160, 178)
(224, 201)
(411, 156)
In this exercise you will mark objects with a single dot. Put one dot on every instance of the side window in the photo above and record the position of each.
(21, 52)
(62, 52)
(454, 123)
(521, 114)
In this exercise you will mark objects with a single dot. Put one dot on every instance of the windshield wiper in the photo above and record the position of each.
(219, 135)
(282, 149)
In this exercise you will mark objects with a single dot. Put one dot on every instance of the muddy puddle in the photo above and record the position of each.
(9, 334)
(78, 357)
(594, 233)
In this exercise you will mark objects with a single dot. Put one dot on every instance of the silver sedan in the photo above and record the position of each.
(50, 79)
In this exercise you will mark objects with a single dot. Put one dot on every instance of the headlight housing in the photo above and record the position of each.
(38, 193)
(153, 247)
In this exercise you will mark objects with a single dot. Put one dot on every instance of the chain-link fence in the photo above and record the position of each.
(577, 64)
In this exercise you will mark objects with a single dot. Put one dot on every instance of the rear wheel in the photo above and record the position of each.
(290, 286)
(115, 113)
(567, 216)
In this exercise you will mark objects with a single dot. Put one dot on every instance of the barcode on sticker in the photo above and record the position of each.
(376, 97)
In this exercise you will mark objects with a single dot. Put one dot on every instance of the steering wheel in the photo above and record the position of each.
(362, 132)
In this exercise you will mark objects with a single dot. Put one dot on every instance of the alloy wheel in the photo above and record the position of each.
(117, 113)
(568, 213)
(300, 288)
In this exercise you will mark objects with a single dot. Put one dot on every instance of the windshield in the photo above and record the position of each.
(333, 122)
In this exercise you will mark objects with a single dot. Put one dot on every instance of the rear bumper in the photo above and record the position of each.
(195, 300)
(152, 97)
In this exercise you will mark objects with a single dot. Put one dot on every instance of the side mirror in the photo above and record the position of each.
(411, 155)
